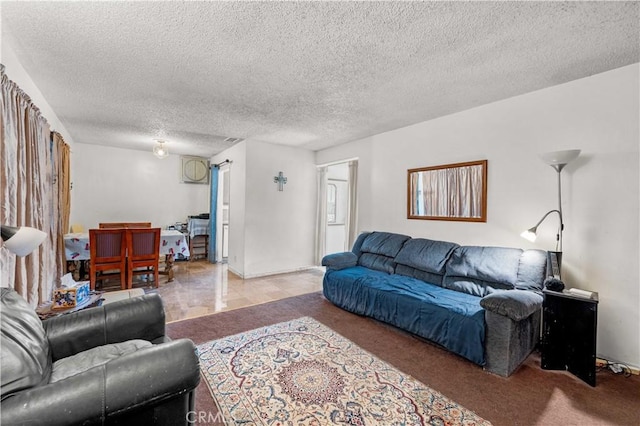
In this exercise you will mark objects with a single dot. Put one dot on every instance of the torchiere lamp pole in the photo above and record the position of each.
(557, 160)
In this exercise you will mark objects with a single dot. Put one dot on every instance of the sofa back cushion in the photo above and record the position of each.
(378, 250)
(482, 270)
(424, 259)
(26, 356)
(532, 270)
(377, 262)
(427, 277)
(357, 245)
(384, 243)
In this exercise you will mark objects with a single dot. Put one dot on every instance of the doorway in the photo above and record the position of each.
(222, 215)
(336, 227)
(337, 207)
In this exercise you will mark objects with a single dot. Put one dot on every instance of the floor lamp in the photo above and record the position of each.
(557, 160)
(21, 241)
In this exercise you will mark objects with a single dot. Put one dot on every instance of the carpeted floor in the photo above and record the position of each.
(531, 396)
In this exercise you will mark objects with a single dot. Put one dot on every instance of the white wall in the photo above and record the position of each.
(270, 231)
(114, 184)
(17, 74)
(279, 226)
(599, 115)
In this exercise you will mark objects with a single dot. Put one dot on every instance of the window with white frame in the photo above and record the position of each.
(332, 198)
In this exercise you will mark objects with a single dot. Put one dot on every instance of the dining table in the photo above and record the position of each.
(76, 250)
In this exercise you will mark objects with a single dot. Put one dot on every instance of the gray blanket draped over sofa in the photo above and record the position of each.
(483, 303)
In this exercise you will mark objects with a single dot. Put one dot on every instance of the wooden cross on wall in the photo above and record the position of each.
(280, 180)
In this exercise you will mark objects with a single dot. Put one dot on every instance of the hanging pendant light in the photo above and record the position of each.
(160, 150)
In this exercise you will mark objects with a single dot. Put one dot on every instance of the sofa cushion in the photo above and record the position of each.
(532, 270)
(427, 277)
(26, 355)
(452, 319)
(482, 270)
(515, 304)
(94, 357)
(383, 243)
(378, 250)
(377, 262)
(425, 255)
(357, 245)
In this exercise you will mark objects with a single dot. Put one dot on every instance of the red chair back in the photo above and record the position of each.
(106, 225)
(143, 250)
(107, 249)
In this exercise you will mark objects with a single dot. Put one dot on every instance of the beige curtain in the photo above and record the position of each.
(454, 192)
(352, 209)
(321, 215)
(62, 190)
(27, 193)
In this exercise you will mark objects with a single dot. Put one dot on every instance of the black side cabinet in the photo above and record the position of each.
(569, 334)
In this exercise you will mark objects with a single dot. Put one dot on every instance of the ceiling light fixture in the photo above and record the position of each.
(160, 150)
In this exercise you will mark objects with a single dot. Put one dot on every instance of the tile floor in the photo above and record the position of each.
(202, 288)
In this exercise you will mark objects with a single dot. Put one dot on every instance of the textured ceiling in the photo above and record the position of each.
(310, 74)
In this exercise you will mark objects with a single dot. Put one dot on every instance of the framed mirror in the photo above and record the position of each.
(449, 192)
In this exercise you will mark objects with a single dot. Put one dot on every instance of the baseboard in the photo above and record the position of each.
(601, 362)
(234, 272)
(268, 274)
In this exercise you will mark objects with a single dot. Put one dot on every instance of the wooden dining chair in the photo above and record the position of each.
(108, 252)
(106, 225)
(143, 251)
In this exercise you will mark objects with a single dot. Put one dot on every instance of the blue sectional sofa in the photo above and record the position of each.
(483, 303)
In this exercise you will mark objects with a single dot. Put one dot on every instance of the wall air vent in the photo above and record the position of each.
(233, 140)
(195, 170)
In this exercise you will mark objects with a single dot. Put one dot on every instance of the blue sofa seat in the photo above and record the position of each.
(483, 303)
(452, 319)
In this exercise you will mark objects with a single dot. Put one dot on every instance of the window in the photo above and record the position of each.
(332, 191)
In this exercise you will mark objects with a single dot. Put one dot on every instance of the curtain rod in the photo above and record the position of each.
(221, 163)
(333, 163)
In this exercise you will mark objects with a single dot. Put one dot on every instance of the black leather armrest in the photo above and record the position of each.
(136, 318)
(129, 383)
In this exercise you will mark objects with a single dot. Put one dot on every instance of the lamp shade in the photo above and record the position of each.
(21, 241)
(530, 235)
(560, 158)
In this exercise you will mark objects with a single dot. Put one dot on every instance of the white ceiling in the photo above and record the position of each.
(310, 74)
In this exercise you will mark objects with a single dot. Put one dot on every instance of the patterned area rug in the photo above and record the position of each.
(303, 373)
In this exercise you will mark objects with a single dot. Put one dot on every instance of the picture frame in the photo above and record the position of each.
(453, 192)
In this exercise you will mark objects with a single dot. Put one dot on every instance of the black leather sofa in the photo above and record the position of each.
(107, 365)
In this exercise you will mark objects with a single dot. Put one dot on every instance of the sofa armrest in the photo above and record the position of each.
(515, 304)
(340, 260)
(136, 318)
(127, 384)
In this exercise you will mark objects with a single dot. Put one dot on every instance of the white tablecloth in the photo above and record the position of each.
(198, 227)
(76, 246)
